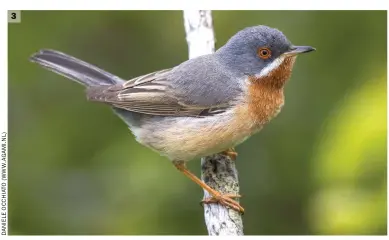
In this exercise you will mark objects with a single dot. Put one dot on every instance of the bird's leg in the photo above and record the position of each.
(224, 199)
(230, 153)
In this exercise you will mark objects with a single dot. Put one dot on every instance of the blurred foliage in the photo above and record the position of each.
(318, 168)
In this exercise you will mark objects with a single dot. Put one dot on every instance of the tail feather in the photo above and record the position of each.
(74, 69)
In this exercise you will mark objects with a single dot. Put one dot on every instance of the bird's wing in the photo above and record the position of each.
(153, 94)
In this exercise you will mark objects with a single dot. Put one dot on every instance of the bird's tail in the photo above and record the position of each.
(74, 69)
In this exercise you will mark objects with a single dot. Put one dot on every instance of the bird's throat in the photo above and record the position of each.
(277, 76)
(266, 94)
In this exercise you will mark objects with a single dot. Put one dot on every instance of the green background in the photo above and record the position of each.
(318, 168)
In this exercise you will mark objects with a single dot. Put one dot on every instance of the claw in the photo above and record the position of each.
(226, 200)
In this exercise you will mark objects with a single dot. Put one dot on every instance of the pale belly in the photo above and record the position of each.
(188, 138)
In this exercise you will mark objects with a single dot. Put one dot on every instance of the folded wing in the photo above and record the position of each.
(151, 94)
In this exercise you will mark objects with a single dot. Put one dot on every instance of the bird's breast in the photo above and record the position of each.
(261, 104)
(264, 96)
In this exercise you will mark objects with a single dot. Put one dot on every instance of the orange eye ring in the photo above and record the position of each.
(264, 52)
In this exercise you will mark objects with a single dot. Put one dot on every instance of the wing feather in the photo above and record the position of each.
(150, 94)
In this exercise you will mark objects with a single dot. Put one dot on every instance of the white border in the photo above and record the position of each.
(197, 4)
(166, 5)
(205, 237)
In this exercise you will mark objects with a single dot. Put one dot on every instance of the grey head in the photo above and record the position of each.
(257, 50)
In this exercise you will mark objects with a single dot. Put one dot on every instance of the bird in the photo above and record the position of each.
(205, 105)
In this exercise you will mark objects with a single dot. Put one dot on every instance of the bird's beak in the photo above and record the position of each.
(299, 49)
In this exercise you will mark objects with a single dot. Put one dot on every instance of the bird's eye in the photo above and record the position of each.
(264, 53)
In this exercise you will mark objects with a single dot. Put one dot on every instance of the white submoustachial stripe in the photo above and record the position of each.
(272, 66)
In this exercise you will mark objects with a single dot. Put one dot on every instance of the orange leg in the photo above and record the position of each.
(230, 153)
(224, 199)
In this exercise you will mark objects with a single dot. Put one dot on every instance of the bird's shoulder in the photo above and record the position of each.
(204, 81)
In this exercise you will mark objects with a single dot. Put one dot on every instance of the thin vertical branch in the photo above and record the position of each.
(218, 171)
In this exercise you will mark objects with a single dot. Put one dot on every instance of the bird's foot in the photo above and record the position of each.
(225, 200)
(231, 153)
(217, 197)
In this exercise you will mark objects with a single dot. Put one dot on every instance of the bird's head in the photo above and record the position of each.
(260, 52)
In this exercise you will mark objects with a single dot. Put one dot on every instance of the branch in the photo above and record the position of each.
(218, 171)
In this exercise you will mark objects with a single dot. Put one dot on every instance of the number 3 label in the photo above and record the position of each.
(14, 16)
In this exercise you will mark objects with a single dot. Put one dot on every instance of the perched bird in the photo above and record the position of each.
(203, 106)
